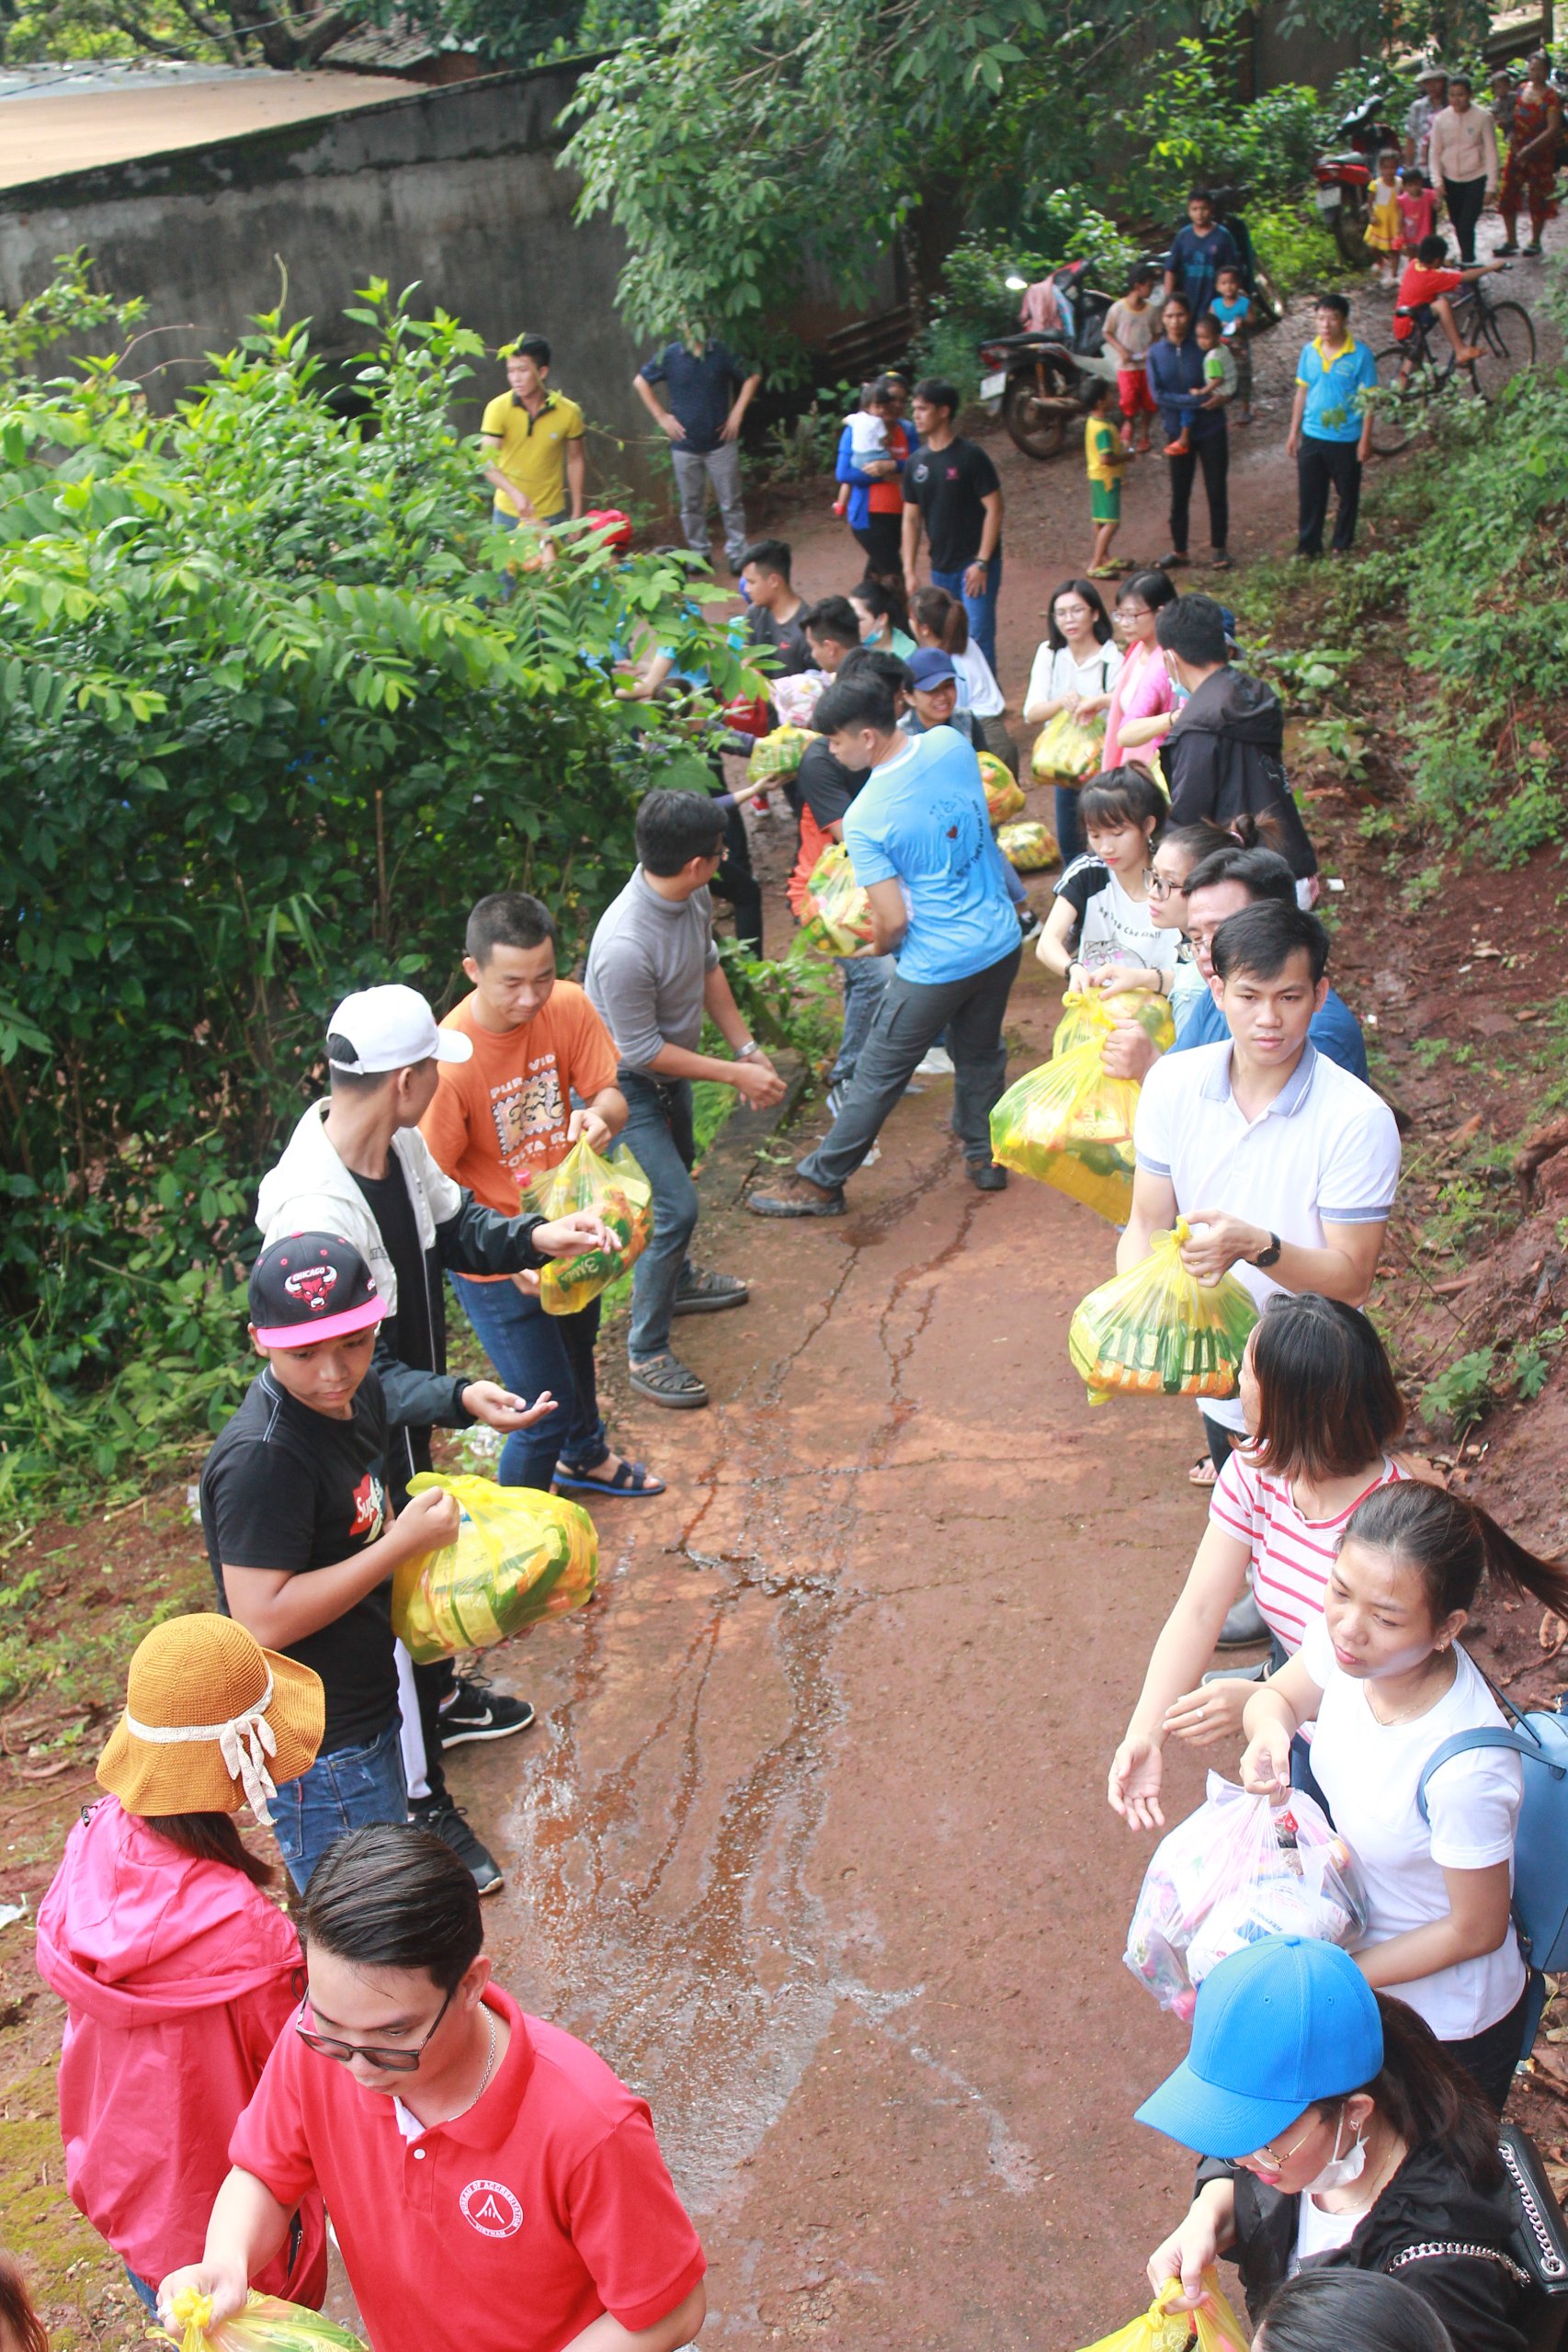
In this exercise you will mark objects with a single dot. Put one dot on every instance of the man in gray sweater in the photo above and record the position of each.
(653, 973)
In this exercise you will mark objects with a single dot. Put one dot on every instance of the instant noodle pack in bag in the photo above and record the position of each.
(264, 2325)
(1067, 751)
(623, 1196)
(835, 918)
(1214, 2325)
(1158, 1331)
(519, 1555)
(1088, 1012)
(780, 753)
(1070, 1124)
(1004, 794)
(1240, 1867)
(1031, 847)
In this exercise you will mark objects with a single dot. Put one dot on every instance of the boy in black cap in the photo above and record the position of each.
(300, 1535)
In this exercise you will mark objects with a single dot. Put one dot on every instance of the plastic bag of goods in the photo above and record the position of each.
(1069, 1124)
(1213, 2326)
(519, 1556)
(780, 753)
(796, 697)
(1004, 794)
(1240, 1867)
(621, 1193)
(836, 916)
(1031, 847)
(264, 2325)
(1088, 1012)
(1158, 1331)
(1067, 750)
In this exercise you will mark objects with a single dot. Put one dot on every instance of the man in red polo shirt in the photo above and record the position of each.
(489, 2179)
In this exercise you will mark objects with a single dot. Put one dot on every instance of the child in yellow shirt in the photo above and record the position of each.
(1104, 458)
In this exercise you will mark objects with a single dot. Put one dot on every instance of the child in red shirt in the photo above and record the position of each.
(1417, 209)
(1427, 284)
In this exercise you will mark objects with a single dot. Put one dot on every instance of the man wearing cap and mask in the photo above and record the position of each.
(357, 1164)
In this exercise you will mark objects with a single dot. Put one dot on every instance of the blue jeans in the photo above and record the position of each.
(533, 1352)
(982, 611)
(145, 2293)
(340, 1792)
(865, 978)
(1069, 823)
(659, 1133)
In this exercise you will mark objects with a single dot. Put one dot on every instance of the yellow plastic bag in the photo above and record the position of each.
(1087, 1014)
(780, 753)
(519, 1556)
(1068, 750)
(1031, 847)
(836, 916)
(1004, 794)
(1158, 1331)
(265, 2325)
(623, 1196)
(1069, 1125)
(1213, 2323)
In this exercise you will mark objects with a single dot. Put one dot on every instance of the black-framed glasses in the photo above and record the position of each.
(1157, 887)
(390, 2061)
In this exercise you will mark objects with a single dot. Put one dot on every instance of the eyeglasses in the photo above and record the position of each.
(390, 2061)
(1071, 612)
(1275, 2161)
(1158, 887)
(1128, 613)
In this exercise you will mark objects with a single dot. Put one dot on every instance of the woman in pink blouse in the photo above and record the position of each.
(1142, 699)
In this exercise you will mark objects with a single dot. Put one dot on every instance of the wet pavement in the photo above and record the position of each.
(810, 1840)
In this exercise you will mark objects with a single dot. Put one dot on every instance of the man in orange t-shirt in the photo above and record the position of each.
(505, 1115)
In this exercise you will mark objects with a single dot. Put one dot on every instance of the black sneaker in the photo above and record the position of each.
(480, 1711)
(449, 1822)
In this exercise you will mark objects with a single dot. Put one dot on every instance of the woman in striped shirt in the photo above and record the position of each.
(1320, 1399)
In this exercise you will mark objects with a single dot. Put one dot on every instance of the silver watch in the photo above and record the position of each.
(749, 1052)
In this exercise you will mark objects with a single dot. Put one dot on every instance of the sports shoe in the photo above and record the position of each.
(985, 1176)
(1028, 921)
(449, 1822)
(937, 1062)
(833, 1101)
(480, 1711)
(797, 1196)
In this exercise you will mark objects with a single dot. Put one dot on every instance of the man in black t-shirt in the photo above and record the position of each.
(301, 1536)
(951, 489)
(774, 618)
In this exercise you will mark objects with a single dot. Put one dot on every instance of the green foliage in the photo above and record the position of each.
(1294, 248)
(265, 731)
(1463, 1395)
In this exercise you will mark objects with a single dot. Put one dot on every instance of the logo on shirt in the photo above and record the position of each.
(489, 2207)
(313, 1285)
(525, 1112)
(369, 1506)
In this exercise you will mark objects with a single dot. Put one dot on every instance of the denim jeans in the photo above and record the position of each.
(533, 1352)
(911, 1018)
(865, 982)
(659, 1133)
(982, 611)
(340, 1792)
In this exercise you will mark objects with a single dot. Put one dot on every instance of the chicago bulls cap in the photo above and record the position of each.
(312, 1286)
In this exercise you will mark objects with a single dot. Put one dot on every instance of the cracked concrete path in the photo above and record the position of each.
(811, 1839)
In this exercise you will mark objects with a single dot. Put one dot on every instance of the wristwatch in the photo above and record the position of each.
(1270, 1256)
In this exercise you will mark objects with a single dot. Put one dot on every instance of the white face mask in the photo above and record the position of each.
(1340, 2170)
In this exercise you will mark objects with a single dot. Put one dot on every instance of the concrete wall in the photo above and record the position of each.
(457, 188)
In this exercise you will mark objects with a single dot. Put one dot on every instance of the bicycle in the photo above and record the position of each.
(1414, 374)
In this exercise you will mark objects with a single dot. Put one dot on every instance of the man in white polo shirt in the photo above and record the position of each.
(1285, 1165)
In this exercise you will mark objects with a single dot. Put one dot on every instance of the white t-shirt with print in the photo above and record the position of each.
(1369, 1772)
(1112, 927)
(1325, 1151)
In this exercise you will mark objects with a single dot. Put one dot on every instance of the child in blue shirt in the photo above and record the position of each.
(1232, 306)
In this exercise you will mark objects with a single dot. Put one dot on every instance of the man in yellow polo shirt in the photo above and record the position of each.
(534, 442)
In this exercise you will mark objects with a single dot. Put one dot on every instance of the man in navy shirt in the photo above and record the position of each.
(1176, 379)
(708, 392)
(1198, 253)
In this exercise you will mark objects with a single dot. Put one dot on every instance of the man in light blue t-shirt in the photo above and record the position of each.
(922, 849)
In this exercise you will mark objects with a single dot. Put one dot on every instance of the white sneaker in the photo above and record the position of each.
(937, 1063)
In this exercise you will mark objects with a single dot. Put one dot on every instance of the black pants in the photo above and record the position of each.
(1322, 466)
(881, 536)
(735, 881)
(1464, 199)
(1221, 1441)
(1213, 454)
(1490, 2057)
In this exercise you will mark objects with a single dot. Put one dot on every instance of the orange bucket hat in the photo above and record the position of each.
(212, 1721)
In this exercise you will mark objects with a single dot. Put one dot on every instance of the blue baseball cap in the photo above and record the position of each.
(1277, 2026)
(929, 667)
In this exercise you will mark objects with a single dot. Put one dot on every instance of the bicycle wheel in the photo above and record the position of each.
(1507, 336)
(1398, 403)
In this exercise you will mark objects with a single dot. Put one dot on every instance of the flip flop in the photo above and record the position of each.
(633, 1479)
(1203, 1472)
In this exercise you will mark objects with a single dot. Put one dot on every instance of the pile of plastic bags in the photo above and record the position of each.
(622, 1196)
(265, 2325)
(1004, 794)
(1238, 1869)
(519, 1556)
(780, 753)
(1070, 1123)
(1214, 2325)
(1158, 1331)
(836, 916)
(1068, 750)
(1031, 847)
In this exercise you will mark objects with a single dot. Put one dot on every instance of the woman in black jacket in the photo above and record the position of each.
(1334, 2131)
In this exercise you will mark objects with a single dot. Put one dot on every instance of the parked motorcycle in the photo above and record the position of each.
(1036, 379)
(1344, 177)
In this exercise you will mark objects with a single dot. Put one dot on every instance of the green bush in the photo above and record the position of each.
(1295, 249)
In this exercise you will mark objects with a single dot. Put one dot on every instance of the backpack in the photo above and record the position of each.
(1540, 1848)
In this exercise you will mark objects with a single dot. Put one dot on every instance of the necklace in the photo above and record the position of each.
(489, 2063)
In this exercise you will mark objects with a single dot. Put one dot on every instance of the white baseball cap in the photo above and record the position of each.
(390, 1029)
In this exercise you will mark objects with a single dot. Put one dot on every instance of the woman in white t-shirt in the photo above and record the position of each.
(1326, 1413)
(940, 623)
(1075, 671)
(1100, 932)
(1383, 1678)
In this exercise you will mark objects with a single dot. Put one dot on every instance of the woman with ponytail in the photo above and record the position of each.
(1384, 1678)
(940, 624)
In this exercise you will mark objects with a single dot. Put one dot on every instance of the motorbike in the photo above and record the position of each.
(1344, 176)
(1036, 379)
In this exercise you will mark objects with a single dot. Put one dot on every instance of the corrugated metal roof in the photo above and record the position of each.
(392, 48)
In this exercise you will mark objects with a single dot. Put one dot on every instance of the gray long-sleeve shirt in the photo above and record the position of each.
(646, 967)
